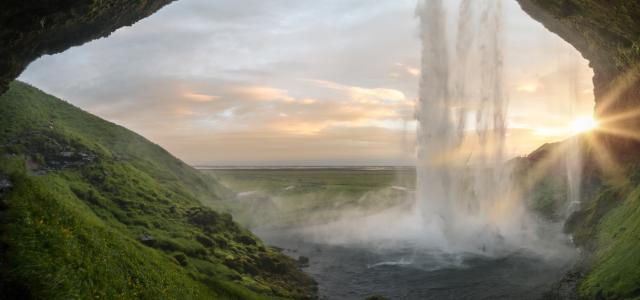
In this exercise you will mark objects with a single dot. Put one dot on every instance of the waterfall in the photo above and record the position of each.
(573, 158)
(464, 186)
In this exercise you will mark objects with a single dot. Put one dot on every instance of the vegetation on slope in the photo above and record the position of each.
(89, 209)
(606, 226)
(547, 194)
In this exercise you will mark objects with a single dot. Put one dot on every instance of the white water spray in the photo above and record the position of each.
(464, 186)
(466, 201)
(573, 159)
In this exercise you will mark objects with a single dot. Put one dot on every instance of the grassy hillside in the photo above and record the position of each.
(606, 226)
(616, 266)
(89, 209)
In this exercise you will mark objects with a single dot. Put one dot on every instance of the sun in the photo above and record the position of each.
(583, 124)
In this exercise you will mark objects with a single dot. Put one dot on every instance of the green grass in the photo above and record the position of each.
(287, 197)
(615, 273)
(86, 195)
(58, 249)
(606, 227)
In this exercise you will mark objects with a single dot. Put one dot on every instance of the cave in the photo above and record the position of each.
(606, 33)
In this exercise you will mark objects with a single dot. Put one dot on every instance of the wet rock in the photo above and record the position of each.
(205, 241)
(250, 269)
(266, 263)
(566, 288)
(205, 218)
(147, 239)
(376, 297)
(87, 157)
(303, 261)
(67, 154)
(235, 277)
(221, 242)
(272, 265)
(5, 184)
(233, 264)
(247, 240)
(5, 187)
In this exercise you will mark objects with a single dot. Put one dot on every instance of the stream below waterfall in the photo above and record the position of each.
(358, 272)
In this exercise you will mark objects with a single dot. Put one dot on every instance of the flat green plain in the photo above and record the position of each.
(287, 197)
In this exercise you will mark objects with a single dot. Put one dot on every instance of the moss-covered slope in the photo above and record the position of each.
(606, 226)
(609, 229)
(89, 209)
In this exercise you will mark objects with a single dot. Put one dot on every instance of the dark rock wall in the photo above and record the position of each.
(607, 33)
(32, 28)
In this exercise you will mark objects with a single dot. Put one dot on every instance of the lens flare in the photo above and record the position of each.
(583, 124)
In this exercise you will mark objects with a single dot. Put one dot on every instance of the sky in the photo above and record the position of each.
(290, 82)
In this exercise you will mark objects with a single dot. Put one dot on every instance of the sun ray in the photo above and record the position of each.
(616, 89)
(620, 132)
(541, 168)
(603, 158)
(612, 119)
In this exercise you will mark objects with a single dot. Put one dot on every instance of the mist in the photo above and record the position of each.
(465, 203)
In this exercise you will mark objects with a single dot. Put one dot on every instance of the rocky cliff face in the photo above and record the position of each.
(606, 228)
(32, 28)
(607, 33)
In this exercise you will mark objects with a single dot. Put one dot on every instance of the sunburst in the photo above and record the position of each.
(583, 124)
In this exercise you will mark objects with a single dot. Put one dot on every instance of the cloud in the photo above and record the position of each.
(199, 97)
(251, 80)
(363, 95)
(413, 71)
(262, 93)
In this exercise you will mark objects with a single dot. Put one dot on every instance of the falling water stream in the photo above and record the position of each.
(573, 160)
(464, 186)
(468, 233)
